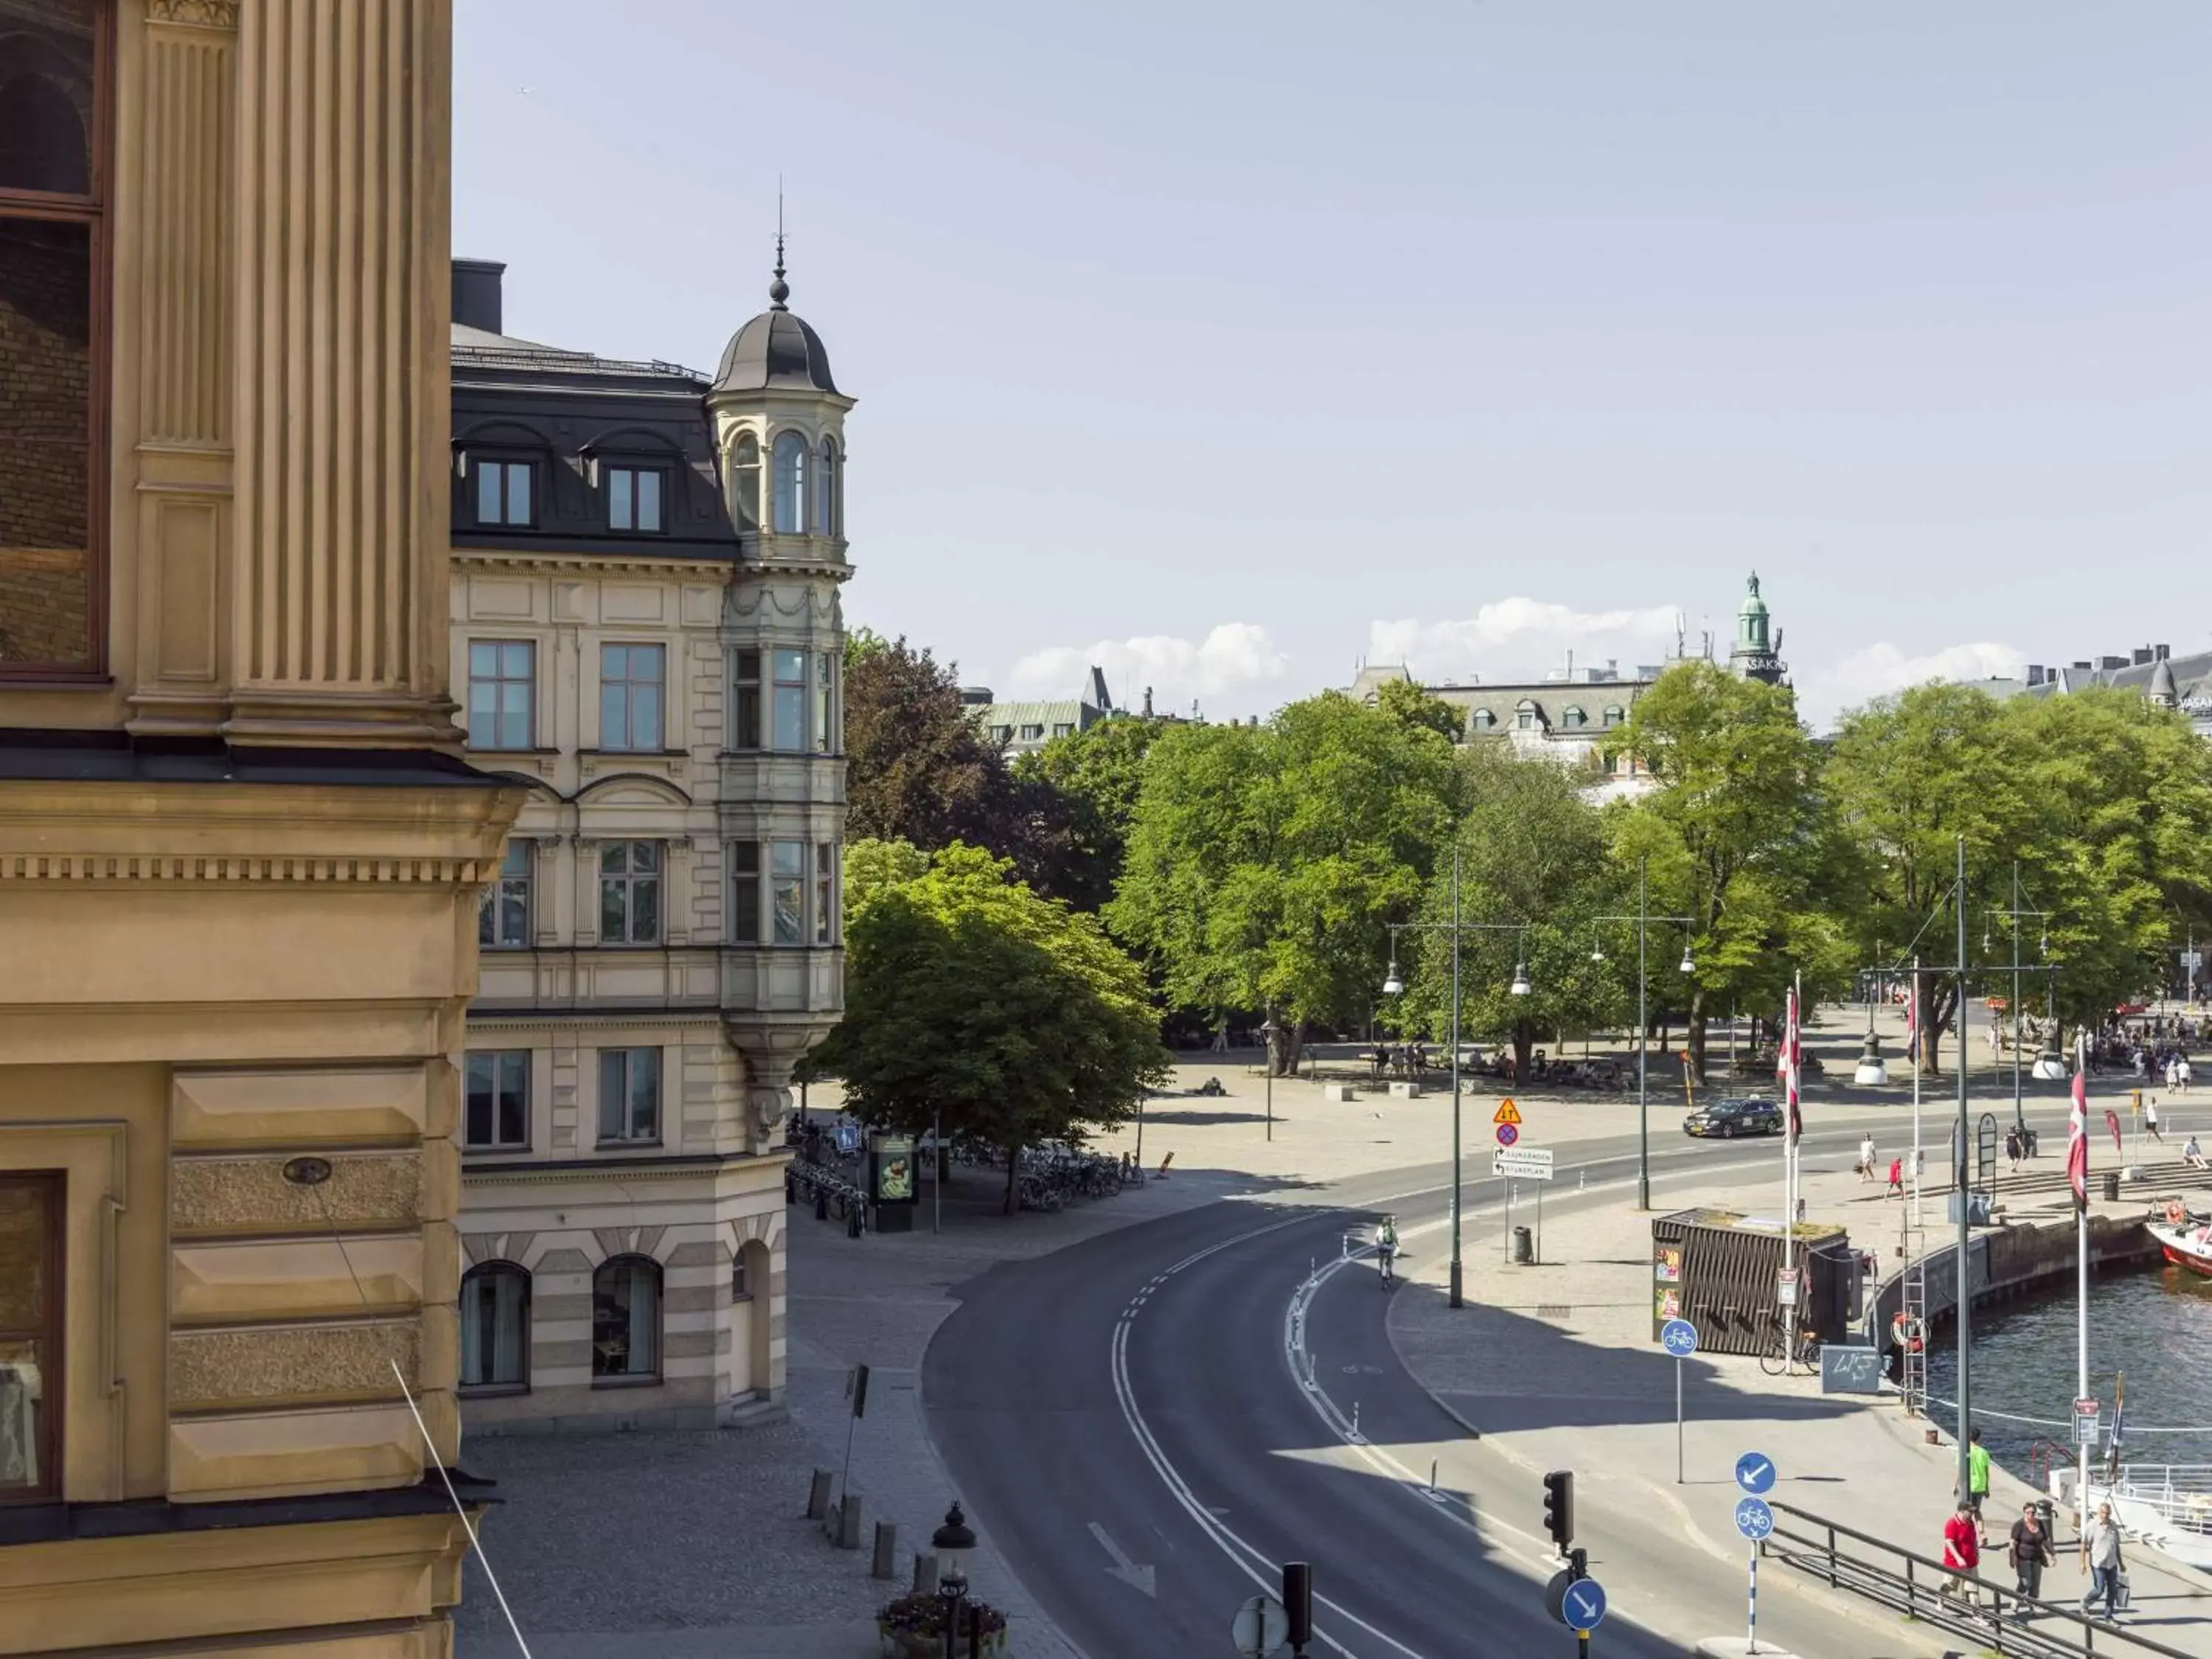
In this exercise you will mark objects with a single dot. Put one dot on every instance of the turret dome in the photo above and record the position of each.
(775, 349)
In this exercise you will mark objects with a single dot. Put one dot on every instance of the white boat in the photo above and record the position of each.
(2183, 1237)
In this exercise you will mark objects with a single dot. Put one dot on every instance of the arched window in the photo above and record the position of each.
(1613, 716)
(1481, 720)
(495, 1327)
(1525, 715)
(745, 481)
(626, 1317)
(790, 484)
(825, 490)
(1574, 717)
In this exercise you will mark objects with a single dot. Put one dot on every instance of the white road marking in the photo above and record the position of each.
(1123, 1568)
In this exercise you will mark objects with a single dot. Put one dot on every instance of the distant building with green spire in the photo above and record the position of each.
(1756, 657)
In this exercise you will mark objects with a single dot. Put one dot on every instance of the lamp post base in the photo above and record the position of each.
(1457, 1299)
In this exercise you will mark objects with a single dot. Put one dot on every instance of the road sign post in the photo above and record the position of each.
(1755, 1521)
(1680, 1338)
(1260, 1627)
(2085, 1422)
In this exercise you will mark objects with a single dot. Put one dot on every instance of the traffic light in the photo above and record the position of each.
(1559, 1507)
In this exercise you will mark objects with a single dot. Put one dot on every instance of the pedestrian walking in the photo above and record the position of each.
(2012, 1149)
(2031, 1554)
(2181, 1074)
(2151, 1119)
(1866, 1158)
(1896, 1177)
(1962, 1553)
(1978, 1483)
(2100, 1554)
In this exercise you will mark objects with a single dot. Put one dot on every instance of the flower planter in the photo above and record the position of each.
(911, 1644)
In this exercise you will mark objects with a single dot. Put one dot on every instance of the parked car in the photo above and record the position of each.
(1725, 1120)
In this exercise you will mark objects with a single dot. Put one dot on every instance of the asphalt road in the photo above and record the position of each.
(1125, 1417)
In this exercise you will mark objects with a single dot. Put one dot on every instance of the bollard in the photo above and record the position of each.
(817, 1499)
(821, 1203)
(853, 1223)
(886, 1562)
(925, 1575)
(849, 1514)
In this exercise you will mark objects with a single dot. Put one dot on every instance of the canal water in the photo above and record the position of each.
(2154, 1325)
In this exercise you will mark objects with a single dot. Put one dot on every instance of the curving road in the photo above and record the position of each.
(1128, 1416)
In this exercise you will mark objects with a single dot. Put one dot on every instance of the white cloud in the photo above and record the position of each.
(1234, 658)
(1520, 636)
(1875, 670)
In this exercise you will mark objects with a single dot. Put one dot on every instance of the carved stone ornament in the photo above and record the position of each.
(194, 13)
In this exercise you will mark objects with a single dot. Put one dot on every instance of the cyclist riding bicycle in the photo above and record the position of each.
(1386, 1242)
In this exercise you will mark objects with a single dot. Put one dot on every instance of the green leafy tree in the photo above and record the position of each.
(1732, 830)
(1096, 775)
(919, 770)
(1265, 863)
(1410, 705)
(1532, 850)
(971, 1001)
(1907, 776)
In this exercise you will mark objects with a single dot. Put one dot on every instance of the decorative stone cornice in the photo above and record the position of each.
(569, 564)
(244, 869)
(194, 13)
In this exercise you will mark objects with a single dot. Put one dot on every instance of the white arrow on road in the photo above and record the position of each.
(1123, 1568)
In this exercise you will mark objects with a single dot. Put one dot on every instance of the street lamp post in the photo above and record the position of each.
(2012, 922)
(1391, 985)
(1644, 919)
(1267, 1065)
(954, 1539)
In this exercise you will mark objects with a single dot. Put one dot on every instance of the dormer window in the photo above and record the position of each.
(506, 493)
(1481, 720)
(790, 484)
(1614, 714)
(1524, 717)
(1574, 719)
(634, 498)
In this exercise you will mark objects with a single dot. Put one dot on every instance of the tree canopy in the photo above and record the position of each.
(971, 1001)
(1265, 862)
(1097, 775)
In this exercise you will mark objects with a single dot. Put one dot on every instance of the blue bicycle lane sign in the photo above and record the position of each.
(1679, 1337)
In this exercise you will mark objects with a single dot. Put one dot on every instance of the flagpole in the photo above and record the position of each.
(1919, 1038)
(2081, 1132)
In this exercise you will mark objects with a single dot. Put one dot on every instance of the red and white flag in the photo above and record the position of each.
(2077, 1136)
(1792, 1065)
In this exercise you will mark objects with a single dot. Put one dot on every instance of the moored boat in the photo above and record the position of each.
(2184, 1238)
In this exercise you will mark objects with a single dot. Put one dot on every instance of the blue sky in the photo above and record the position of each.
(1226, 344)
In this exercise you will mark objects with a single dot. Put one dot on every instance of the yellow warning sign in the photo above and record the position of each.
(1507, 1113)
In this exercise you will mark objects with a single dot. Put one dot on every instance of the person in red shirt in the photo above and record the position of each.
(1962, 1553)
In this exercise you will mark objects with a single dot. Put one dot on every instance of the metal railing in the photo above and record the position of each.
(1998, 1619)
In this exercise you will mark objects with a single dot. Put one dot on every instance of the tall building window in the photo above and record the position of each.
(495, 1327)
(30, 1335)
(632, 685)
(790, 701)
(498, 1106)
(626, 1319)
(787, 890)
(53, 339)
(634, 499)
(745, 730)
(825, 693)
(504, 492)
(630, 892)
(629, 1095)
(502, 683)
(504, 916)
(825, 490)
(746, 480)
(825, 892)
(744, 893)
(790, 484)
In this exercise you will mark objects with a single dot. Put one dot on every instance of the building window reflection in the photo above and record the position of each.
(626, 1319)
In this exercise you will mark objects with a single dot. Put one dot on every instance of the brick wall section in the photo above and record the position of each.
(46, 388)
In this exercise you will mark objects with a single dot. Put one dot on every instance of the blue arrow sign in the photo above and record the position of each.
(1679, 1337)
(1754, 1519)
(1583, 1607)
(1754, 1472)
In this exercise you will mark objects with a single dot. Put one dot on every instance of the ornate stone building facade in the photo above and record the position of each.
(241, 855)
(646, 567)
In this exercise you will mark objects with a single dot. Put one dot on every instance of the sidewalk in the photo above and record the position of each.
(1582, 1321)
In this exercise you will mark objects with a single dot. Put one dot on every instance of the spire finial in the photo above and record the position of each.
(779, 290)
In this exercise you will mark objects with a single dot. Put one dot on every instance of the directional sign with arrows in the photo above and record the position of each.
(1124, 1569)
(1583, 1607)
(1754, 1519)
(1754, 1472)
